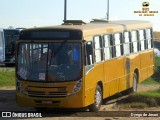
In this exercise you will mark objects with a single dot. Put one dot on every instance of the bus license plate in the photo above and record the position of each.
(47, 102)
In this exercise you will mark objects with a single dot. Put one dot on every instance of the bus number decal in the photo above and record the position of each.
(23, 73)
(42, 76)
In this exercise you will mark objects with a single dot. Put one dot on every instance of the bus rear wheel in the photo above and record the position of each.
(135, 79)
(97, 100)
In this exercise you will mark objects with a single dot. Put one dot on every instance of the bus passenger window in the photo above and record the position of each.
(107, 47)
(134, 41)
(89, 53)
(117, 38)
(149, 38)
(141, 38)
(98, 49)
(126, 45)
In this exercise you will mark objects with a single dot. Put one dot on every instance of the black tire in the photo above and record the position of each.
(97, 100)
(135, 79)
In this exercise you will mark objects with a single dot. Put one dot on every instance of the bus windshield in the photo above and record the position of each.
(49, 61)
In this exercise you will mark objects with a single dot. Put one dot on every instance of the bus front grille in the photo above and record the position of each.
(46, 94)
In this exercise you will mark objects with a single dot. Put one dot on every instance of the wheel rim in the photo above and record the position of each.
(134, 84)
(97, 98)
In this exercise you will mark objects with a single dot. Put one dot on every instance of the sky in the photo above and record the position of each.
(30, 13)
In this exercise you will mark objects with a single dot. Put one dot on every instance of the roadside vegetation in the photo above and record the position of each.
(7, 77)
(142, 100)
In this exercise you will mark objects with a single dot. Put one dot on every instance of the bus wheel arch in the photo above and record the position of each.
(98, 96)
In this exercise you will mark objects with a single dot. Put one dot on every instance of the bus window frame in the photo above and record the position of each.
(136, 41)
(110, 46)
(85, 54)
(151, 38)
(121, 44)
(142, 40)
(100, 48)
(127, 42)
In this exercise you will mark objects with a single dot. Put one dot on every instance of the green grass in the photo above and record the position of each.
(150, 81)
(7, 77)
(142, 99)
(155, 93)
(157, 61)
(151, 98)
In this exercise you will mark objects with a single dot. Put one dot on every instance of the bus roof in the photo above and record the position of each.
(102, 27)
(2, 29)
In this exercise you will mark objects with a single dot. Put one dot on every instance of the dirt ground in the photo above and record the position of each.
(107, 112)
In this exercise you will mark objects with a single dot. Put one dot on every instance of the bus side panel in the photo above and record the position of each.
(131, 63)
(91, 79)
(151, 65)
(121, 74)
(113, 72)
(147, 62)
(110, 75)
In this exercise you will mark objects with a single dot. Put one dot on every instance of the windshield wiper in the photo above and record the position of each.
(58, 49)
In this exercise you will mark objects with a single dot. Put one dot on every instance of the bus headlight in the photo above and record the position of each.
(19, 86)
(77, 87)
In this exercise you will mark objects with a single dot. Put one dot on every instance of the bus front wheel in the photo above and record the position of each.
(97, 100)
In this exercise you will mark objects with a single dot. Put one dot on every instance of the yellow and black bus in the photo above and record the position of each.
(78, 64)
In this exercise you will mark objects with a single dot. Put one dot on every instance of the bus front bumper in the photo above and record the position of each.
(72, 101)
